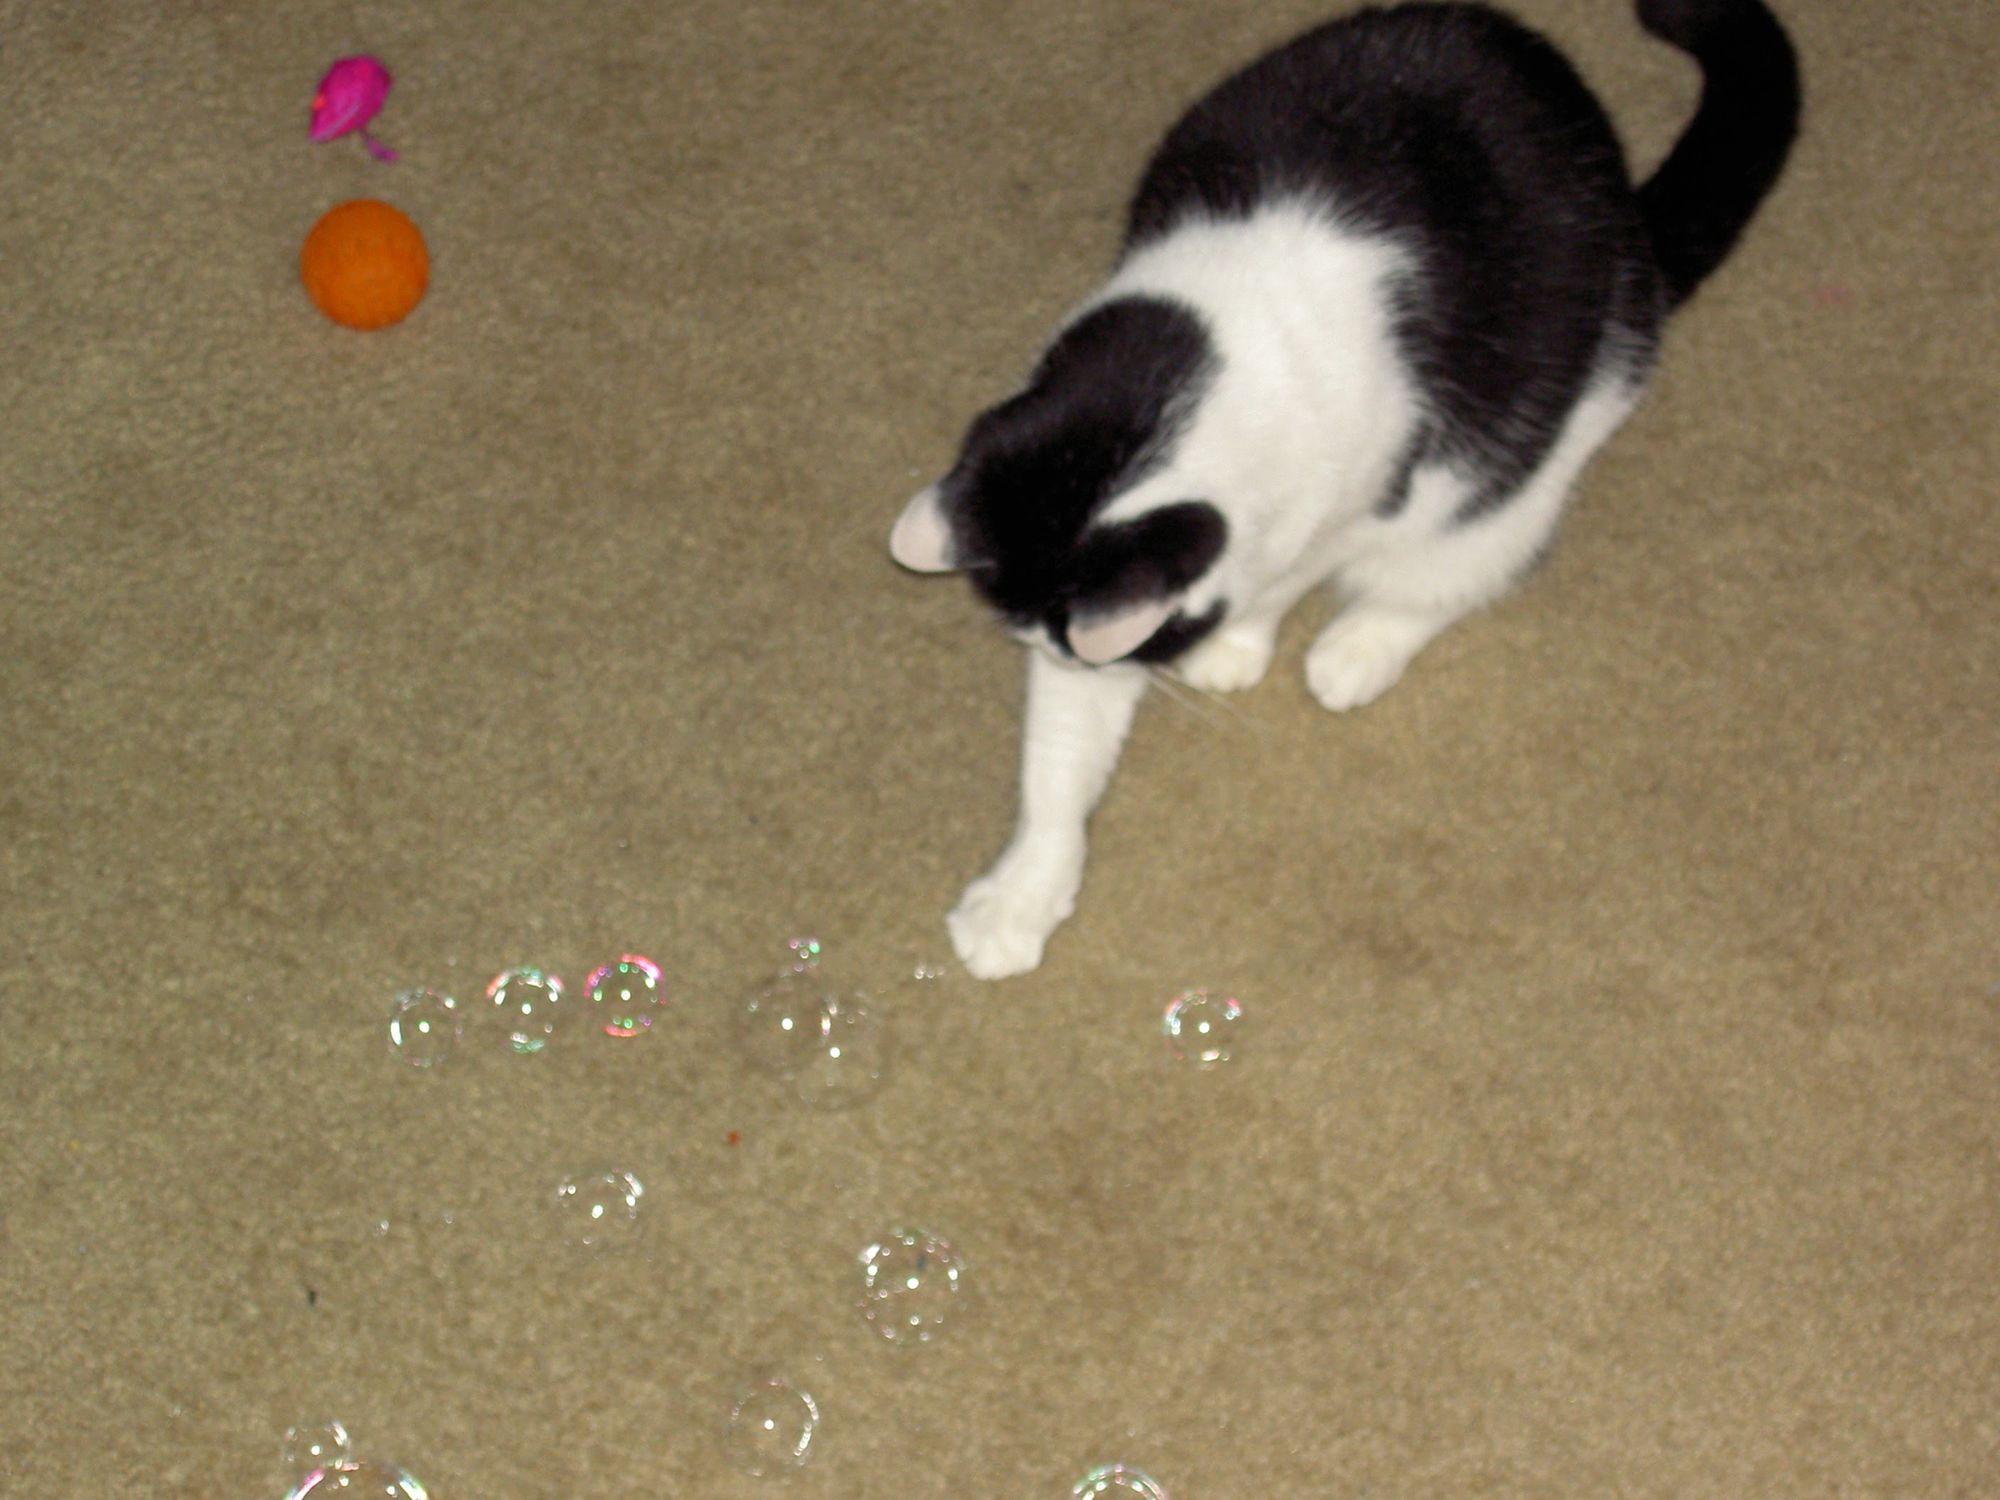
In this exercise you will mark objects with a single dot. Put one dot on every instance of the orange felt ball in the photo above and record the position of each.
(365, 264)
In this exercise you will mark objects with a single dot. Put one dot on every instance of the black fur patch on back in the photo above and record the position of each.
(1103, 405)
(1473, 144)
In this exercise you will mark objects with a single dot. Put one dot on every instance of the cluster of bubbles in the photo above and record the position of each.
(828, 1046)
(825, 1042)
(320, 1462)
(909, 1284)
(526, 1008)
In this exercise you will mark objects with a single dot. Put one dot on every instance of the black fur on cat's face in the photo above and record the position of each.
(1099, 414)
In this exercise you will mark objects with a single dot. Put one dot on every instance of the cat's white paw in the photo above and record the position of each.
(1360, 656)
(1228, 661)
(1000, 926)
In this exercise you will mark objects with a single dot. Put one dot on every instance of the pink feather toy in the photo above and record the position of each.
(352, 94)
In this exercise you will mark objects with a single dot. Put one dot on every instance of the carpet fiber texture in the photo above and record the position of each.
(1618, 1105)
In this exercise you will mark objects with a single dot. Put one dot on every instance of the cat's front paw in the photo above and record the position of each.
(1000, 927)
(1228, 661)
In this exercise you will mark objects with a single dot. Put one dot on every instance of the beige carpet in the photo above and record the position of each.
(1616, 1110)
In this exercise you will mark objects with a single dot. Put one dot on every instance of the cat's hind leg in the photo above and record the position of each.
(1420, 574)
(1363, 653)
(1436, 562)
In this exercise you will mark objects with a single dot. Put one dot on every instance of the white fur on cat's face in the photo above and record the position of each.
(1296, 438)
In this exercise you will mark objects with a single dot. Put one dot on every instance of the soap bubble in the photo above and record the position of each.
(625, 995)
(771, 1426)
(775, 1028)
(801, 1026)
(843, 1056)
(424, 1027)
(314, 1445)
(910, 1283)
(1120, 1482)
(529, 1005)
(780, 1025)
(362, 1479)
(599, 1209)
(1203, 1028)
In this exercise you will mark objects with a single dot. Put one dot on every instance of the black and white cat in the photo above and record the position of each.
(1382, 294)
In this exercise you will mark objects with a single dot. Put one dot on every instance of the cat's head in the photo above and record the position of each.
(1039, 510)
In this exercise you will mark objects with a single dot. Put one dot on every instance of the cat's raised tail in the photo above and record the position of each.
(1732, 151)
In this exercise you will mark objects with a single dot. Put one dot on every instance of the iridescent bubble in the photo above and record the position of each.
(845, 1052)
(314, 1445)
(1203, 1028)
(599, 1210)
(362, 1479)
(910, 1283)
(424, 1027)
(625, 995)
(529, 1006)
(1121, 1482)
(804, 952)
(771, 1427)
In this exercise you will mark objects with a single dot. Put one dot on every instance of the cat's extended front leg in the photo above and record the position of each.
(1077, 718)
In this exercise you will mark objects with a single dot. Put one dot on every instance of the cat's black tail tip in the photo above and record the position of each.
(1730, 155)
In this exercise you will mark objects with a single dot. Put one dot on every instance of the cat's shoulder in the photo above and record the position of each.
(1296, 260)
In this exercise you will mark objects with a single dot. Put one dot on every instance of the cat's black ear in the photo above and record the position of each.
(921, 540)
(1133, 576)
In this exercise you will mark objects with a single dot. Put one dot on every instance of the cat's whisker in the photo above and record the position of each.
(1213, 708)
